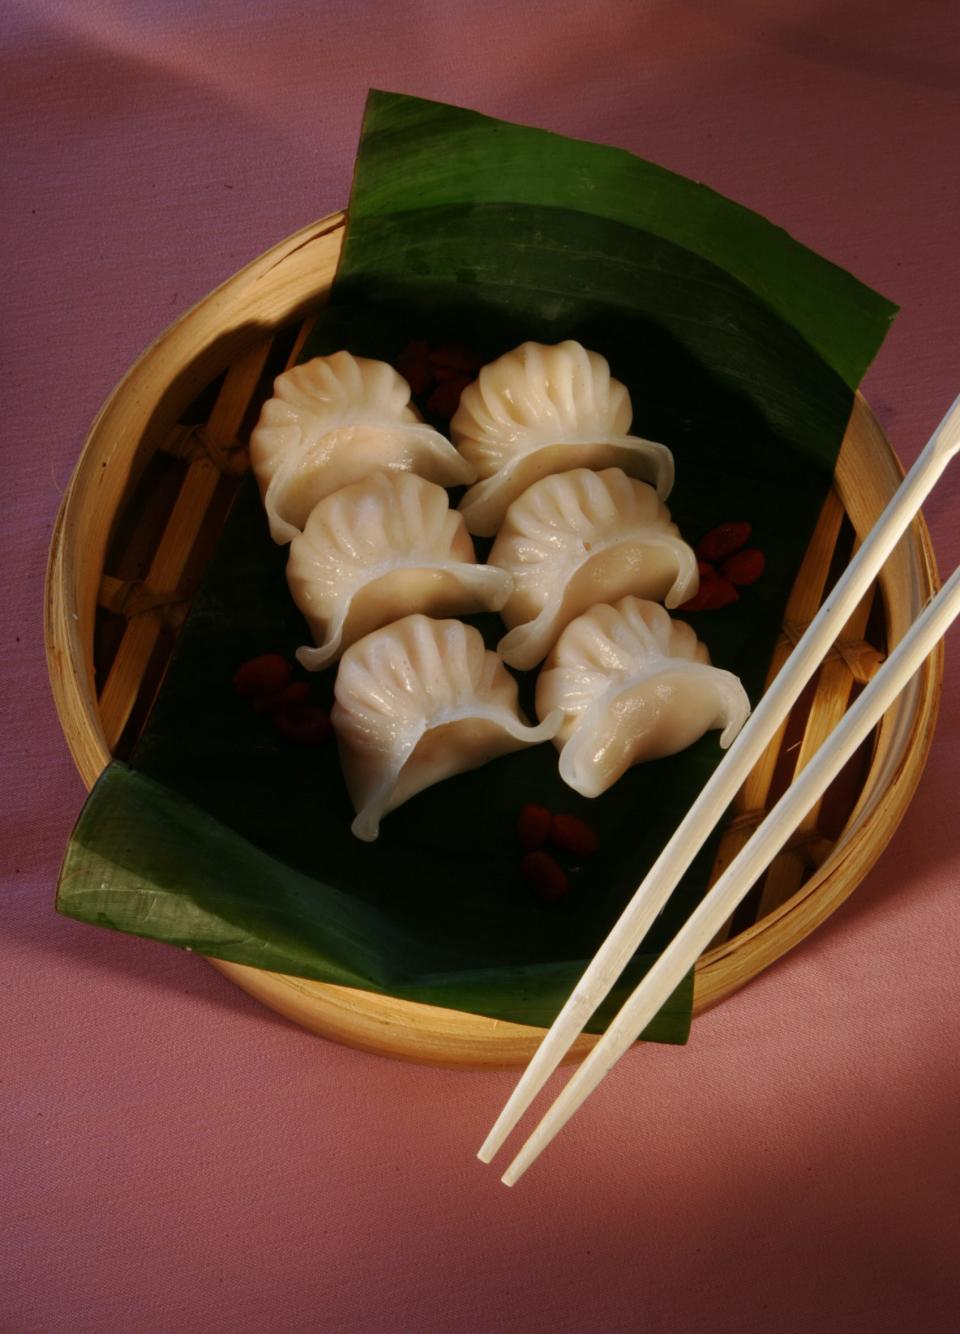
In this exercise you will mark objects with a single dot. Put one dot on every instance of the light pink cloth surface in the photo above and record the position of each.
(176, 1158)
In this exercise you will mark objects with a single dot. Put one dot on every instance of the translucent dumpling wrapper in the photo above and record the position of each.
(632, 684)
(419, 701)
(332, 421)
(379, 550)
(579, 538)
(545, 409)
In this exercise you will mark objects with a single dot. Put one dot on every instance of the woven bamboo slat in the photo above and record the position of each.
(140, 519)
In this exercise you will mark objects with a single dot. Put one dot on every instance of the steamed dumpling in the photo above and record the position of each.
(539, 410)
(579, 538)
(332, 421)
(379, 550)
(632, 685)
(417, 702)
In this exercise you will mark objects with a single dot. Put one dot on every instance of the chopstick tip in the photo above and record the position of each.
(492, 1145)
(514, 1172)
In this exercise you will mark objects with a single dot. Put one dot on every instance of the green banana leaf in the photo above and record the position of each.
(741, 350)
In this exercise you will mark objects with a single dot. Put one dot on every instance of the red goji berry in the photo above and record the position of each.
(445, 398)
(413, 364)
(723, 593)
(744, 567)
(715, 592)
(723, 541)
(533, 826)
(545, 874)
(454, 357)
(297, 692)
(570, 834)
(305, 723)
(266, 675)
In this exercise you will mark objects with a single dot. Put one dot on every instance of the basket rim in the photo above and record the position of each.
(292, 264)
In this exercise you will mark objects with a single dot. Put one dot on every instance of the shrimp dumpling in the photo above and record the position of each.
(579, 538)
(379, 550)
(419, 701)
(332, 421)
(545, 409)
(632, 685)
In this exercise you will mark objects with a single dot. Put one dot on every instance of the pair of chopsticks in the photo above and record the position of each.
(732, 886)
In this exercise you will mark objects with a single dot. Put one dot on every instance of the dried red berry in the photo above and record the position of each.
(413, 364)
(297, 692)
(454, 357)
(723, 593)
(745, 567)
(545, 874)
(305, 723)
(715, 591)
(266, 675)
(723, 541)
(533, 826)
(445, 398)
(570, 834)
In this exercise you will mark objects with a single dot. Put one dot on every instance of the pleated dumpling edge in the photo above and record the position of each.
(417, 702)
(542, 409)
(331, 422)
(379, 550)
(632, 685)
(579, 538)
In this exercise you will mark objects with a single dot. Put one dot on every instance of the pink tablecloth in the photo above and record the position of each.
(177, 1159)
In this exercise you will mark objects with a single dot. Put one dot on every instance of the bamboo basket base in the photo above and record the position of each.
(140, 520)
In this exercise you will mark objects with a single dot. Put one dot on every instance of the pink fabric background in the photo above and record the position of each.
(176, 1158)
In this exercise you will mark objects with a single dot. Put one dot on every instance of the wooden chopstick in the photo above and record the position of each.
(690, 835)
(697, 932)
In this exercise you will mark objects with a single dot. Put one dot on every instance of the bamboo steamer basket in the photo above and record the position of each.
(139, 521)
